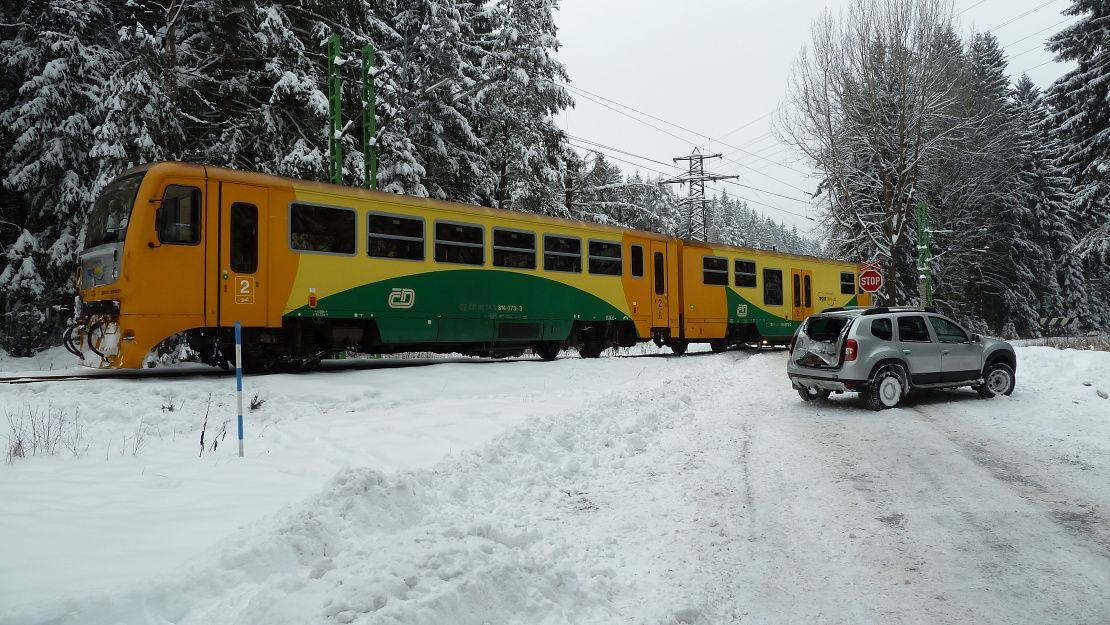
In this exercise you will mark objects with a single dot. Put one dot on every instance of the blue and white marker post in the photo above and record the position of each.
(239, 379)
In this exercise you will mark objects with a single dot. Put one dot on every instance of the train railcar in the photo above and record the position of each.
(734, 295)
(309, 269)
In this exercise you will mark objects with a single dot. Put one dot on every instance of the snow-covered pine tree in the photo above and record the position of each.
(995, 239)
(25, 323)
(59, 58)
(1043, 208)
(1079, 100)
(437, 76)
(517, 108)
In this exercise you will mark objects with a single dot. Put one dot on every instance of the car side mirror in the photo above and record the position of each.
(975, 338)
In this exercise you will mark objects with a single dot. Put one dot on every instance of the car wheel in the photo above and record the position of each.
(998, 380)
(887, 388)
(810, 394)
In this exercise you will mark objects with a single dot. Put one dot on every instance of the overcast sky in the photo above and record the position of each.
(719, 68)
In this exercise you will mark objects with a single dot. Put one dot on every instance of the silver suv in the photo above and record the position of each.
(882, 353)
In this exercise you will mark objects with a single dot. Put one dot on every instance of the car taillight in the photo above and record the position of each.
(851, 348)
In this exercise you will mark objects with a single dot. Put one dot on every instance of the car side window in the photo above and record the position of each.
(948, 332)
(882, 329)
(911, 328)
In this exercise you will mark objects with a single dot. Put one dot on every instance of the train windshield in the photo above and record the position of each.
(109, 216)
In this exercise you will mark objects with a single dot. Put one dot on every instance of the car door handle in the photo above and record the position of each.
(905, 351)
(944, 351)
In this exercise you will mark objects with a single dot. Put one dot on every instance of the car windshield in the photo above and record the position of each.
(109, 216)
(825, 329)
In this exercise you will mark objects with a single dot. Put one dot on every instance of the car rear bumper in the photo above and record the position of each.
(826, 382)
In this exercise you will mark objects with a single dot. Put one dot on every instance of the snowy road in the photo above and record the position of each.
(635, 490)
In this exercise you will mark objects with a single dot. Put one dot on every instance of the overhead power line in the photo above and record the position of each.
(971, 7)
(1022, 16)
(581, 145)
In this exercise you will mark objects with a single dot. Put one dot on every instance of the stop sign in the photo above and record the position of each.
(870, 280)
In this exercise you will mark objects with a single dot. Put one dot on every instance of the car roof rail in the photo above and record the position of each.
(843, 309)
(878, 310)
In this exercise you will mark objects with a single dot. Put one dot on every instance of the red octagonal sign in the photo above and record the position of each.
(870, 280)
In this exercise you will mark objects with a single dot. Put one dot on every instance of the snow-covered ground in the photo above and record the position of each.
(619, 490)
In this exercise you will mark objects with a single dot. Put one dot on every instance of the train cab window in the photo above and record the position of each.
(797, 291)
(514, 249)
(394, 236)
(461, 244)
(605, 258)
(745, 273)
(637, 261)
(562, 254)
(772, 287)
(660, 274)
(847, 283)
(324, 229)
(244, 237)
(178, 217)
(714, 270)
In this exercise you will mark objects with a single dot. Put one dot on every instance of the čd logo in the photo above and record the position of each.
(402, 298)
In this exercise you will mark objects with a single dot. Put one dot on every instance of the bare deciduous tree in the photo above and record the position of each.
(872, 102)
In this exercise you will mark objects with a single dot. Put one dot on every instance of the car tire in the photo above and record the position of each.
(811, 394)
(998, 379)
(887, 388)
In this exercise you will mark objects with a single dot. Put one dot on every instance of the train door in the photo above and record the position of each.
(242, 263)
(801, 288)
(660, 317)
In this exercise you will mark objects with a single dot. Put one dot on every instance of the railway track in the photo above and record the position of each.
(326, 366)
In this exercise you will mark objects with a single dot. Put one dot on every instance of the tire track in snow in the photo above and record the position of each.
(1084, 519)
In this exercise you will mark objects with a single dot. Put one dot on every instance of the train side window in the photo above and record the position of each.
(515, 249)
(244, 237)
(461, 244)
(772, 287)
(637, 261)
(808, 289)
(562, 254)
(714, 270)
(847, 283)
(394, 236)
(177, 219)
(325, 229)
(660, 274)
(797, 291)
(605, 258)
(745, 273)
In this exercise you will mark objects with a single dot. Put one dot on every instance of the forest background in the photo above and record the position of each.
(468, 93)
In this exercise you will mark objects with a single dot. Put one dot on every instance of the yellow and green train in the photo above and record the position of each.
(310, 269)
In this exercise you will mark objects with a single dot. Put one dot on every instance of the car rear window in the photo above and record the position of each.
(825, 329)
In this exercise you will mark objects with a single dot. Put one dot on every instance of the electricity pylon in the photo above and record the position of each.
(696, 226)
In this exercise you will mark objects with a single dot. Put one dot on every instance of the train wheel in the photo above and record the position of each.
(591, 349)
(548, 350)
(678, 347)
(718, 345)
